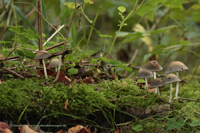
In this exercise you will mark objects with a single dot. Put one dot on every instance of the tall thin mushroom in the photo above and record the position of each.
(176, 66)
(169, 79)
(144, 74)
(154, 67)
(156, 83)
(54, 63)
(43, 54)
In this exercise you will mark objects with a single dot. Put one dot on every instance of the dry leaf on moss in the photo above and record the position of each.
(79, 129)
(4, 128)
(27, 129)
(88, 80)
(66, 103)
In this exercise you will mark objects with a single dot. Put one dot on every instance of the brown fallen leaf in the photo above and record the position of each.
(66, 103)
(27, 129)
(4, 128)
(151, 90)
(144, 96)
(88, 80)
(79, 129)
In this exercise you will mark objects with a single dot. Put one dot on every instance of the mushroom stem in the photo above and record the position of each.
(45, 70)
(56, 69)
(170, 95)
(146, 83)
(158, 90)
(154, 75)
(58, 72)
(177, 86)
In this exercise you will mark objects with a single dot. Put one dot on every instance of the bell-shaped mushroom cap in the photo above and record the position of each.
(61, 53)
(170, 78)
(156, 83)
(176, 66)
(54, 63)
(144, 73)
(42, 54)
(153, 66)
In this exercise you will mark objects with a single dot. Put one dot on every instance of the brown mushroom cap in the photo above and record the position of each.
(42, 54)
(144, 73)
(61, 53)
(54, 63)
(153, 66)
(170, 78)
(156, 83)
(176, 66)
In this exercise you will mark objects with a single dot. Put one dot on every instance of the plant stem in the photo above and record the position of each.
(91, 30)
(122, 23)
(170, 95)
(4, 13)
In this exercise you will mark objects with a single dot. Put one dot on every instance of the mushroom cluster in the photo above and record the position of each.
(153, 67)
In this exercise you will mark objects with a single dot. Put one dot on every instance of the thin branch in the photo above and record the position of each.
(13, 72)
(158, 20)
(39, 26)
(4, 13)
(187, 99)
(70, 23)
(9, 54)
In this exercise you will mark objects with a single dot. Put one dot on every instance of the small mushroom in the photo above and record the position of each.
(54, 63)
(169, 79)
(154, 67)
(176, 66)
(144, 74)
(41, 55)
(156, 83)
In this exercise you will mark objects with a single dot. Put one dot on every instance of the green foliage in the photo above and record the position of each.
(137, 128)
(72, 71)
(175, 122)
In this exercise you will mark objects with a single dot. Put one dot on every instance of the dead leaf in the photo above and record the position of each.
(27, 129)
(88, 80)
(4, 128)
(151, 90)
(144, 96)
(79, 129)
(66, 103)
(61, 131)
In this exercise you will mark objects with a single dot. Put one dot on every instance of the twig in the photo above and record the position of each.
(158, 20)
(70, 23)
(61, 43)
(53, 35)
(39, 26)
(8, 54)
(107, 85)
(4, 13)
(188, 99)
(13, 72)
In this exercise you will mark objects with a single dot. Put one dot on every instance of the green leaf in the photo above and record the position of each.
(104, 35)
(115, 62)
(89, 1)
(148, 9)
(137, 128)
(175, 123)
(121, 9)
(161, 30)
(125, 68)
(71, 5)
(24, 18)
(25, 53)
(73, 71)
(104, 59)
(195, 123)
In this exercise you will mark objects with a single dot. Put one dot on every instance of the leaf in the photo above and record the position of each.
(89, 1)
(27, 129)
(115, 62)
(25, 53)
(137, 128)
(73, 71)
(24, 17)
(5, 128)
(66, 103)
(195, 123)
(174, 123)
(71, 5)
(88, 80)
(121, 9)
(79, 129)
(148, 9)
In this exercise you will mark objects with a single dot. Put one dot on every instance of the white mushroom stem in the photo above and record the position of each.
(45, 70)
(170, 95)
(158, 91)
(146, 83)
(58, 72)
(56, 69)
(177, 86)
(154, 76)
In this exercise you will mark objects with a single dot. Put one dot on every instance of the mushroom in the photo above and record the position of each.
(154, 67)
(176, 66)
(41, 55)
(54, 63)
(169, 79)
(144, 74)
(156, 83)
(60, 54)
